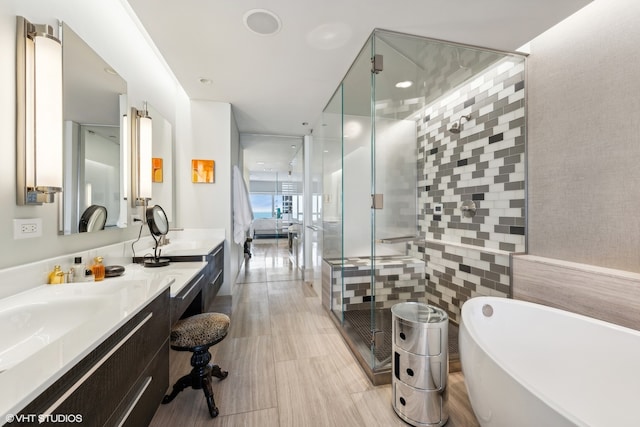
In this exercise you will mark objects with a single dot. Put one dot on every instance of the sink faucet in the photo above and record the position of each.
(164, 240)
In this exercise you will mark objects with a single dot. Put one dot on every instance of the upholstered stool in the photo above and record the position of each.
(196, 334)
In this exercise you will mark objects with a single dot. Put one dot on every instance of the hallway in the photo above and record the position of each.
(288, 365)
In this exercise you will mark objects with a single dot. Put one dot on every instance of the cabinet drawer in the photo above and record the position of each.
(212, 287)
(418, 338)
(422, 372)
(217, 256)
(140, 404)
(96, 385)
(418, 407)
(190, 294)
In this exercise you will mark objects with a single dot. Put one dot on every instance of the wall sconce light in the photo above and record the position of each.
(38, 113)
(141, 146)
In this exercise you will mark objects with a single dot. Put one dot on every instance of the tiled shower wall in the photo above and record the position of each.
(397, 279)
(469, 256)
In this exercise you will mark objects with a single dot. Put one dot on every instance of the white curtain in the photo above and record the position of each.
(242, 212)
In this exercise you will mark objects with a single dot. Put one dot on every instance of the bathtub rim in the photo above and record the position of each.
(473, 334)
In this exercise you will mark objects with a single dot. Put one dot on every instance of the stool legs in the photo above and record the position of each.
(218, 373)
(199, 378)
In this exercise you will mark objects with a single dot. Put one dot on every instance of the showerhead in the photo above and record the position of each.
(456, 127)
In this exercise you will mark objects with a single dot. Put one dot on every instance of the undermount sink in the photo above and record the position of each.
(27, 327)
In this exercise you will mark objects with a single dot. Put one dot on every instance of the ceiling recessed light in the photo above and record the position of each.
(205, 81)
(405, 84)
(262, 22)
(293, 146)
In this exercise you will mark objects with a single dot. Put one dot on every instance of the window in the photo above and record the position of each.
(262, 205)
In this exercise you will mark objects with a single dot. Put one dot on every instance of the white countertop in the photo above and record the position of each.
(178, 246)
(76, 318)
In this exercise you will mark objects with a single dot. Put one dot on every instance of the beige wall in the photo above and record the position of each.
(213, 132)
(584, 138)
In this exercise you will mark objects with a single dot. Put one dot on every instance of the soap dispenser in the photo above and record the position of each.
(56, 277)
(98, 269)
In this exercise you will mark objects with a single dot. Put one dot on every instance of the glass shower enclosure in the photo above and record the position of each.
(372, 132)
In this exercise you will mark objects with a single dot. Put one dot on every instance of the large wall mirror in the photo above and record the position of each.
(94, 105)
(162, 162)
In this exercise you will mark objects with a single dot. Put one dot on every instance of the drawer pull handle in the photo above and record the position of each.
(192, 286)
(216, 252)
(402, 401)
(396, 361)
(217, 276)
(94, 368)
(135, 401)
(410, 372)
(403, 336)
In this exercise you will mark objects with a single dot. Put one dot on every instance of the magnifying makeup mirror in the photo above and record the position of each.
(93, 219)
(158, 226)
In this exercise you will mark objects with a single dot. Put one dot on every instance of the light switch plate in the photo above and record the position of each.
(27, 228)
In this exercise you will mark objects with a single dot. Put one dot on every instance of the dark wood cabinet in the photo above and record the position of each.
(198, 295)
(214, 277)
(122, 381)
(189, 300)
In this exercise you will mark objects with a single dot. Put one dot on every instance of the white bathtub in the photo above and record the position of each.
(531, 365)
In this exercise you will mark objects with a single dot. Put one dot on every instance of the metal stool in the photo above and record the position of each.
(196, 334)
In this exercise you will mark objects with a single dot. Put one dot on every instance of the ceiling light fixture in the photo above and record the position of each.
(205, 81)
(262, 22)
(405, 84)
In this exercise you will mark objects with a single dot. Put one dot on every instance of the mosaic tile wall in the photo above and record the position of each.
(398, 279)
(469, 256)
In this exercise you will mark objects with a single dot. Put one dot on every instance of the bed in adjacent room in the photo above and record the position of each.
(269, 227)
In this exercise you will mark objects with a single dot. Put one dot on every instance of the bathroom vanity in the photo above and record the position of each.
(197, 295)
(98, 352)
(122, 380)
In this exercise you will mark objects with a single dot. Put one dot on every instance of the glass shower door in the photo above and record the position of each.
(393, 190)
(329, 135)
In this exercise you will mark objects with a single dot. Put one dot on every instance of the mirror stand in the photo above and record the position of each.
(158, 226)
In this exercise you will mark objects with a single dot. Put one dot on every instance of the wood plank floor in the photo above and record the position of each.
(288, 365)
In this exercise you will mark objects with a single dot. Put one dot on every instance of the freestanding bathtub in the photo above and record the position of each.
(526, 364)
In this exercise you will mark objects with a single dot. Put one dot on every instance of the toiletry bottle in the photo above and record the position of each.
(98, 269)
(88, 275)
(78, 269)
(56, 277)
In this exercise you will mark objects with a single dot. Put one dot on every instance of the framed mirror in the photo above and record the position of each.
(95, 101)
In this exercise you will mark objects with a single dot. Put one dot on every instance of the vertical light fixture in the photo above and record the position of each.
(38, 113)
(124, 141)
(141, 132)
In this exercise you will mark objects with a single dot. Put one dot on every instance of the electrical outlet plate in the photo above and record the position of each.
(27, 228)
